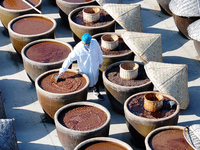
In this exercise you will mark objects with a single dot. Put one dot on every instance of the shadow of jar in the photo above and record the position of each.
(78, 29)
(70, 138)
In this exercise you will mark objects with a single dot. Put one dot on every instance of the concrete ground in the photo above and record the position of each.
(19, 94)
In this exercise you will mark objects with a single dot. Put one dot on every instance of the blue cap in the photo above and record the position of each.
(86, 38)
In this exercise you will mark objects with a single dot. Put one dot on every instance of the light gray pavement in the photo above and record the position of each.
(19, 94)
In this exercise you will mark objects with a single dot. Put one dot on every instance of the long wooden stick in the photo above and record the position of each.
(32, 6)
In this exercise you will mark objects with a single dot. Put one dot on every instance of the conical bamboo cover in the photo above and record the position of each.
(127, 15)
(194, 30)
(147, 46)
(185, 8)
(8, 138)
(171, 79)
(192, 135)
(102, 2)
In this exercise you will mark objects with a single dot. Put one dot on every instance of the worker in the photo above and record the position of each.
(88, 55)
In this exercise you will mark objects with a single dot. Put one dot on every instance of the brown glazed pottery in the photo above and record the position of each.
(34, 68)
(66, 6)
(140, 127)
(182, 23)
(19, 40)
(90, 143)
(110, 59)
(117, 94)
(164, 5)
(70, 138)
(6, 15)
(78, 30)
(172, 142)
(51, 102)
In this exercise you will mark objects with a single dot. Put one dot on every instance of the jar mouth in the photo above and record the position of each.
(10, 29)
(127, 111)
(80, 104)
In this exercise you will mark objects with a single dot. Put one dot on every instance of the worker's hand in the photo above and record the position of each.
(61, 71)
(56, 77)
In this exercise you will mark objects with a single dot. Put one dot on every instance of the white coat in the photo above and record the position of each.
(88, 61)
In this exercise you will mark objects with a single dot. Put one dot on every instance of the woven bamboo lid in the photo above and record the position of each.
(185, 8)
(194, 30)
(102, 2)
(171, 79)
(127, 15)
(192, 135)
(147, 46)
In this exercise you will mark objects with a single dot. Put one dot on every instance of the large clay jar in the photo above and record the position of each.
(66, 6)
(184, 13)
(164, 5)
(79, 27)
(141, 122)
(103, 143)
(123, 52)
(70, 138)
(193, 32)
(27, 28)
(52, 101)
(12, 10)
(182, 23)
(43, 55)
(171, 137)
(117, 94)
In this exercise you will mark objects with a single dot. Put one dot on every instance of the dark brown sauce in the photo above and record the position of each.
(171, 139)
(136, 106)
(67, 83)
(103, 146)
(32, 25)
(18, 4)
(48, 52)
(84, 118)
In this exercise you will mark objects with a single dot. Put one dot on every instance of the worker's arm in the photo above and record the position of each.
(68, 61)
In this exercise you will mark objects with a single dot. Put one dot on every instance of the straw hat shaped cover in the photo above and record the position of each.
(102, 2)
(194, 30)
(171, 79)
(127, 15)
(185, 8)
(147, 46)
(192, 135)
